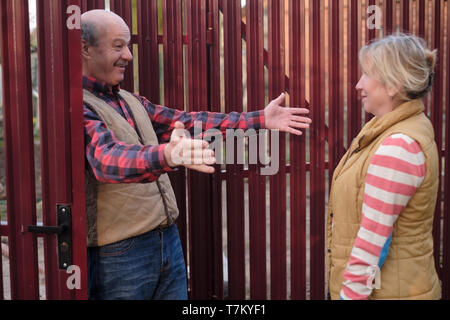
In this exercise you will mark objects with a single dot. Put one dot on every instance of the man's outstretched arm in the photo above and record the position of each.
(273, 117)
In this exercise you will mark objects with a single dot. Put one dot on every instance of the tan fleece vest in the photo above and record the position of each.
(119, 211)
(409, 271)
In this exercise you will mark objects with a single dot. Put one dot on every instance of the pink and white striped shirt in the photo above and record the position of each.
(395, 172)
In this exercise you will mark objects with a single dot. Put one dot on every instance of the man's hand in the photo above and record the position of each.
(190, 153)
(285, 119)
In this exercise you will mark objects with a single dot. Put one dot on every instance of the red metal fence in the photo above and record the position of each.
(216, 55)
(61, 146)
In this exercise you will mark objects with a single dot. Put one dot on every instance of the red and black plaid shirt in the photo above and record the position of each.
(112, 161)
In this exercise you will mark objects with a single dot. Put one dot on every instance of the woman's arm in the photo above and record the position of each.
(395, 172)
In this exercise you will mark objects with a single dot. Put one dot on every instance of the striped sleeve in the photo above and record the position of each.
(395, 172)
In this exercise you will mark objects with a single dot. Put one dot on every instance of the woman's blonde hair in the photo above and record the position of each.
(402, 61)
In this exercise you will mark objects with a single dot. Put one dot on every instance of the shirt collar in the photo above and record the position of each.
(94, 85)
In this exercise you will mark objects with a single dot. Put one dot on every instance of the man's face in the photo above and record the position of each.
(107, 60)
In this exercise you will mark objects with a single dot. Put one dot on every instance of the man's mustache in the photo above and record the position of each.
(121, 64)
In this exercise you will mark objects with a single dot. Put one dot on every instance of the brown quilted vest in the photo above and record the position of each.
(119, 211)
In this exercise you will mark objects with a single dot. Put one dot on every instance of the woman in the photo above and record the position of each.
(383, 194)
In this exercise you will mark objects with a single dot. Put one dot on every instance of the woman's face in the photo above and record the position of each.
(375, 96)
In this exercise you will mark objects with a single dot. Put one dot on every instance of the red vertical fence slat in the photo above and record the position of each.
(297, 152)
(335, 98)
(173, 54)
(370, 32)
(174, 92)
(405, 16)
(317, 152)
(148, 50)
(421, 18)
(51, 91)
(214, 103)
(370, 35)
(234, 173)
(436, 119)
(124, 9)
(200, 224)
(4, 229)
(256, 182)
(277, 181)
(87, 5)
(388, 16)
(353, 104)
(446, 230)
(62, 140)
(75, 103)
(19, 147)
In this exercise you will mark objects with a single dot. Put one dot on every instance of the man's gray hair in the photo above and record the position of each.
(89, 33)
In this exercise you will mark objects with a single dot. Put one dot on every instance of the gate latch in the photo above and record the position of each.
(64, 233)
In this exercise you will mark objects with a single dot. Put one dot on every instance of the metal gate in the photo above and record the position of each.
(61, 143)
(245, 236)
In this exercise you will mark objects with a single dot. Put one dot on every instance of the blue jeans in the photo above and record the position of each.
(149, 266)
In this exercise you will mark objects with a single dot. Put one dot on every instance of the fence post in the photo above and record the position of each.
(19, 147)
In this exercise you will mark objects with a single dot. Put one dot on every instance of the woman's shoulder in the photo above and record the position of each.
(402, 146)
(402, 142)
(401, 152)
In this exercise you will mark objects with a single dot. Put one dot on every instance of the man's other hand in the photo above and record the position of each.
(285, 119)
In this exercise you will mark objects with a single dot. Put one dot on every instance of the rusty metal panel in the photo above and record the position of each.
(19, 147)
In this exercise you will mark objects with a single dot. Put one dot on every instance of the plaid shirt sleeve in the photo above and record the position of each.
(112, 161)
(163, 120)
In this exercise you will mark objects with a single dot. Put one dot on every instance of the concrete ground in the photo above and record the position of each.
(6, 271)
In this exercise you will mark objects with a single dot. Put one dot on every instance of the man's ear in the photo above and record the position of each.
(85, 53)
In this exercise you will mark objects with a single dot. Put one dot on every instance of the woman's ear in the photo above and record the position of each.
(393, 90)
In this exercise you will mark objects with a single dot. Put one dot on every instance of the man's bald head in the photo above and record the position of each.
(95, 22)
(105, 41)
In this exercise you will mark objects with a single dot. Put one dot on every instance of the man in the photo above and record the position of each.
(134, 249)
